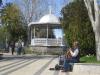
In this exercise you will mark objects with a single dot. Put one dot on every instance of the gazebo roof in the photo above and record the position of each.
(47, 19)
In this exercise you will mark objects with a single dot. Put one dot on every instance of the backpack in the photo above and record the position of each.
(57, 67)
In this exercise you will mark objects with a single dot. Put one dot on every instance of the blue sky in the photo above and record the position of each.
(59, 3)
(4, 1)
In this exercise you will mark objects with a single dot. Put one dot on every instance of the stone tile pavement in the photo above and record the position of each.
(39, 65)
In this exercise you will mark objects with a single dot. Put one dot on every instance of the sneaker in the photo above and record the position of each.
(64, 71)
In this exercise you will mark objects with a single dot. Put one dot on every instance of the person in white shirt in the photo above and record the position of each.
(74, 56)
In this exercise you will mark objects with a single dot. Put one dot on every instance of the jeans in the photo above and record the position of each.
(67, 62)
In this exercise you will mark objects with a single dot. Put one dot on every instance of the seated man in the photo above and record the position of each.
(71, 57)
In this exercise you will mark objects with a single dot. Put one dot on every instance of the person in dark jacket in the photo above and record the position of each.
(74, 58)
(12, 47)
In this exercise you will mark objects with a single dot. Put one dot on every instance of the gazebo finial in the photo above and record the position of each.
(50, 9)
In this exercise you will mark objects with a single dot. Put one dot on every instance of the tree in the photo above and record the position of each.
(94, 15)
(77, 26)
(0, 2)
(2, 38)
(13, 22)
(30, 9)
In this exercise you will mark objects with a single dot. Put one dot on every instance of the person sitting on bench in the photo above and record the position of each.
(72, 56)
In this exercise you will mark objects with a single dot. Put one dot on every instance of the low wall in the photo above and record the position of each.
(47, 50)
(85, 69)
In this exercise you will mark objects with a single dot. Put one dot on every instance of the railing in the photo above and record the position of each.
(46, 42)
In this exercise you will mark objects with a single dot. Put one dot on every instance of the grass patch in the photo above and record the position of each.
(89, 59)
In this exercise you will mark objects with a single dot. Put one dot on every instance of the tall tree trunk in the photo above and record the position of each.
(94, 16)
(97, 38)
(97, 29)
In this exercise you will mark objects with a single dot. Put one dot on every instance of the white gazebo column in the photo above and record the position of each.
(34, 32)
(61, 41)
(47, 36)
(47, 31)
(31, 33)
(28, 33)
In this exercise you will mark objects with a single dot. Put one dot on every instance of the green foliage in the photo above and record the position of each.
(77, 26)
(0, 2)
(13, 22)
(89, 59)
(2, 38)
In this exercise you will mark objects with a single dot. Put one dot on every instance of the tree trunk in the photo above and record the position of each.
(95, 21)
(97, 32)
(97, 38)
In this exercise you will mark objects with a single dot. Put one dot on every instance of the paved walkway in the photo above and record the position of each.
(39, 65)
(28, 65)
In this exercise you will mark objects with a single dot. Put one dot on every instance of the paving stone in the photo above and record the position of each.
(39, 65)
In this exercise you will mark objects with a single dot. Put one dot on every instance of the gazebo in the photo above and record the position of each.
(41, 34)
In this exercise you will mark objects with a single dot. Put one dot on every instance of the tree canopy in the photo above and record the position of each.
(13, 22)
(77, 26)
(0, 2)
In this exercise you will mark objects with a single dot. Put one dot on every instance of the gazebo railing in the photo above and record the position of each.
(46, 42)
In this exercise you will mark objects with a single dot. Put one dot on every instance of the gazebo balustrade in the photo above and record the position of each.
(46, 42)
